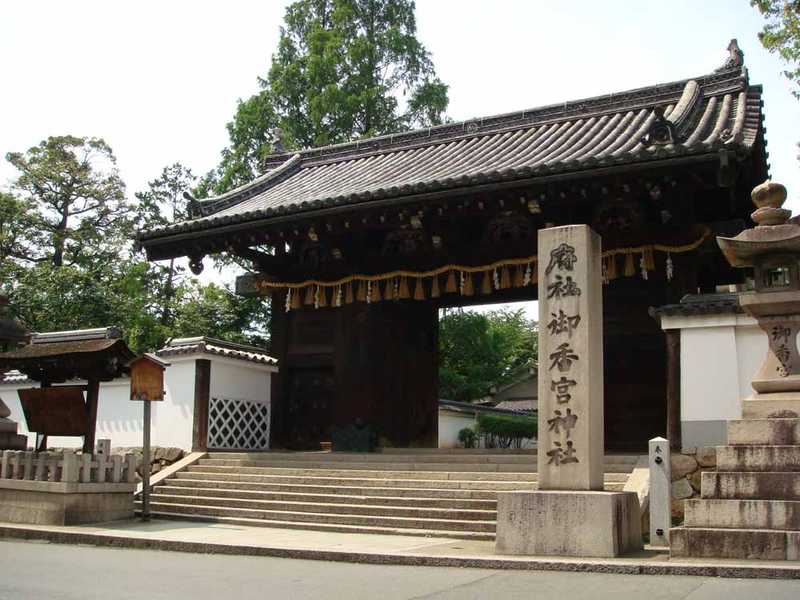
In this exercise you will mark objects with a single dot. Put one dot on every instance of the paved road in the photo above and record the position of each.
(40, 571)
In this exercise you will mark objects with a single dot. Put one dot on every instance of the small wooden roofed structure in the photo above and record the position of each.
(358, 245)
(93, 355)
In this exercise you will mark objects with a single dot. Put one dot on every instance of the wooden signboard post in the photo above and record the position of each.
(147, 385)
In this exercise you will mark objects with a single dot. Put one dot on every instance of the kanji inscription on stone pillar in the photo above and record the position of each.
(570, 445)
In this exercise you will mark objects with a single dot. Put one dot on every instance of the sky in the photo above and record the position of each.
(158, 80)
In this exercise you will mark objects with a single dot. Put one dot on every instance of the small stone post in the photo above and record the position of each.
(660, 491)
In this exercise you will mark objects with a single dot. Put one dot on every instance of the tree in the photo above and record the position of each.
(17, 232)
(218, 312)
(339, 73)
(781, 34)
(77, 200)
(478, 351)
(163, 203)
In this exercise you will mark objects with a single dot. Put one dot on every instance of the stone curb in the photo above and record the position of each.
(620, 566)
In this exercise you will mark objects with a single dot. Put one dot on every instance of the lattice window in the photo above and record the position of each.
(238, 424)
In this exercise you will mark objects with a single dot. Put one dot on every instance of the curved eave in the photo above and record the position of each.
(658, 156)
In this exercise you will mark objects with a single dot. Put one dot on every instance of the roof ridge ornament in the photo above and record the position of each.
(735, 57)
(661, 132)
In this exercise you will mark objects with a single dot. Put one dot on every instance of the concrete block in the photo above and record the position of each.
(758, 458)
(751, 486)
(750, 544)
(770, 406)
(743, 514)
(568, 523)
(55, 508)
(777, 432)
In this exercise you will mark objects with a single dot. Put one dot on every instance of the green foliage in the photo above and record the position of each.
(499, 431)
(468, 437)
(339, 73)
(480, 350)
(75, 200)
(781, 34)
(81, 272)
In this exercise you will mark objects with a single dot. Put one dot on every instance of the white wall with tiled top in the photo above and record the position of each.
(720, 353)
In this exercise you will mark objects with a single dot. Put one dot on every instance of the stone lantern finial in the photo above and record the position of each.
(769, 198)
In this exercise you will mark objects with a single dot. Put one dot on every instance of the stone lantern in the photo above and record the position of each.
(772, 248)
(12, 334)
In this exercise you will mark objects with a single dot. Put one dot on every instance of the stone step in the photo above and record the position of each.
(375, 458)
(388, 473)
(758, 458)
(759, 544)
(370, 466)
(285, 488)
(451, 484)
(380, 480)
(406, 510)
(753, 432)
(615, 468)
(742, 514)
(484, 526)
(416, 501)
(763, 485)
(776, 406)
(337, 528)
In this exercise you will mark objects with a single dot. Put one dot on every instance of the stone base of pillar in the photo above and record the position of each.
(9, 438)
(568, 523)
(771, 406)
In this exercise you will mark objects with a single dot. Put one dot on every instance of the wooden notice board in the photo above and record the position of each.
(55, 410)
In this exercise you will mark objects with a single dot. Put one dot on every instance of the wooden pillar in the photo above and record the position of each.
(202, 392)
(92, 395)
(673, 337)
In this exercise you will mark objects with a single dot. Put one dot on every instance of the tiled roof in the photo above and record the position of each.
(207, 345)
(692, 117)
(466, 407)
(517, 405)
(14, 377)
(700, 304)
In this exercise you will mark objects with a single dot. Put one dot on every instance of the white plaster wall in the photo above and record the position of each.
(173, 418)
(709, 374)
(719, 356)
(449, 425)
(238, 380)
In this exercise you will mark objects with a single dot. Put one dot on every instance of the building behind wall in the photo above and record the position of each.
(205, 376)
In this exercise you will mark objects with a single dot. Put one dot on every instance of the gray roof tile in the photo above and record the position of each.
(716, 111)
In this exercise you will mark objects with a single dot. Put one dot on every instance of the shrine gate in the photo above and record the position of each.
(359, 245)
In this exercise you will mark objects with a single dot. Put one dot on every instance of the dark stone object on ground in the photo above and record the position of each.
(358, 437)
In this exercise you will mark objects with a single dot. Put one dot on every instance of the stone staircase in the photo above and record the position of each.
(437, 493)
(750, 507)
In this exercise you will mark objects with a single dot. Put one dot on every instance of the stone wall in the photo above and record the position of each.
(686, 469)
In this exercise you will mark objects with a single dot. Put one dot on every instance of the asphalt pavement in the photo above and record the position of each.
(39, 571)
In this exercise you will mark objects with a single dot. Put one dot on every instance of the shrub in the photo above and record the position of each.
(467, 437)
(500, 431)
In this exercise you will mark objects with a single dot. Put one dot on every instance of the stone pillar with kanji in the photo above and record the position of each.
(570, 359)
(570, 514)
